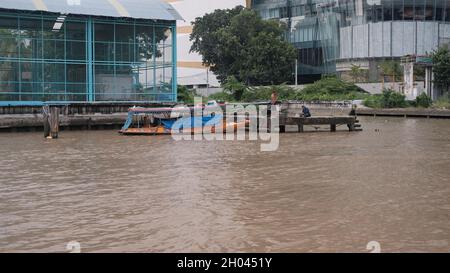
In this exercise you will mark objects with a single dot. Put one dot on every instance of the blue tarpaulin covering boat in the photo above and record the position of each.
(158, 121)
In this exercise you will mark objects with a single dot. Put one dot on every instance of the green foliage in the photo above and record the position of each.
(441, 67)
(442, 103)
(222, 97)
(391, 68)
(185, 95)
(388, 99)
(392, 99)
(327, 89)
(234, 87)
(395, 100)
(423, 101)
(419, 72)
(264, 93)
(356, 72)
(237, 42)
(374, 101)
(330, 89)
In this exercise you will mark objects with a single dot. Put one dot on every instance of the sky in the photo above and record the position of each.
(190, 9)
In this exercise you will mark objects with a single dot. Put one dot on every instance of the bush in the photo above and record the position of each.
(388, 99)
(331, 89)
(264, 93)
(374, 101)
(234, 87)
(222, 97)
(423, 101)
(392, 99)
(185, 95)
(442, 103)
(327, 89)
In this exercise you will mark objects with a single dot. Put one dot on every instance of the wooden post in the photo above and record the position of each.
(46, 115)
(51, 121)
(54, 122)
(333, 127)
(351, 127)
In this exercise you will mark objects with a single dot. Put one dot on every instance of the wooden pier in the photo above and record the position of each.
(73, 118)
(29, 122)
(352, 123)
(333, 116)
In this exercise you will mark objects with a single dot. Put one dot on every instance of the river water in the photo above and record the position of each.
(320, 192)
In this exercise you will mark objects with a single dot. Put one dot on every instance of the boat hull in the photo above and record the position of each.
(160, 130)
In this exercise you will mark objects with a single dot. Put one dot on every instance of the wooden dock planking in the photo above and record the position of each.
(332, 121)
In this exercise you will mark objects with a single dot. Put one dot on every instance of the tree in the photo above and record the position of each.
(441, 68)
(355, 72)
(391, 68)
(185, 95)
(237, 42)
(235, 87)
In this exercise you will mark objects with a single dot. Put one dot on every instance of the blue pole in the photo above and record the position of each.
(90, 44)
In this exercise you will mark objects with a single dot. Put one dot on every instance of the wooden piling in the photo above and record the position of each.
(333, 122)
(333, 127)
(46, 115)
(351, 127)
(54, 122)
(51, 121)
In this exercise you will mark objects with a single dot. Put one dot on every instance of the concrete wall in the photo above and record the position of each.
(205, 92)
(377, 88)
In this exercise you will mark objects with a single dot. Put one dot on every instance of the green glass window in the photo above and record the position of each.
(47, 57)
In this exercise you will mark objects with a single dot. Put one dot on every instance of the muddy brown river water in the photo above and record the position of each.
(320, 192)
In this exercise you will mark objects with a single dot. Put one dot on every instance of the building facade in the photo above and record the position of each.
(87, 51)
(333, 35)
(191, 71)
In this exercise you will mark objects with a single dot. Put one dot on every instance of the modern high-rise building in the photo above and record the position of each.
(333, 35)
(87, 51)
(191, 72)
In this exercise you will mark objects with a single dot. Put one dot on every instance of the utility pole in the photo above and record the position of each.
(296, 71)
(207, 81)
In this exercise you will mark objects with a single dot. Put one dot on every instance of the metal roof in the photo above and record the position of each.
(139, 9)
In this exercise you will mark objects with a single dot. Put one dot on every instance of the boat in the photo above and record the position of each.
(167, 121)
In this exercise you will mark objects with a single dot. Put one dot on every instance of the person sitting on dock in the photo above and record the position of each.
(274, 98)
(305, 112)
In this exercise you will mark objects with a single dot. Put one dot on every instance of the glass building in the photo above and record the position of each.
(87, 51)
(331, 35)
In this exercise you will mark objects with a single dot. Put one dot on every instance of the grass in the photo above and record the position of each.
(442, 103)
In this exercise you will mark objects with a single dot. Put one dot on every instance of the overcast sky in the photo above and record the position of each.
(190, 9)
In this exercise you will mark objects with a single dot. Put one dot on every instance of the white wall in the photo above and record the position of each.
(189, 10)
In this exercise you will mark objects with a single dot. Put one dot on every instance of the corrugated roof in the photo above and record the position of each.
(139, 9)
